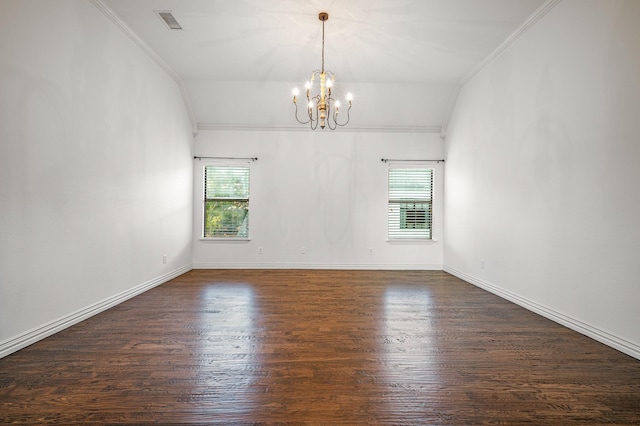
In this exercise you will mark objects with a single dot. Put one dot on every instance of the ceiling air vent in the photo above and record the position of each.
(168, 19)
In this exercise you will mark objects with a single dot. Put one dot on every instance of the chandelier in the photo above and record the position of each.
(322, 108)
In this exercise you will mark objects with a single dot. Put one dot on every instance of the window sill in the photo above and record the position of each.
(412, 241)
(225, 240)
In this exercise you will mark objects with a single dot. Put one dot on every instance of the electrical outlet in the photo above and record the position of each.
(259, 250)
(370, 251)
(481, 263)
(164, 258)
(304, 250)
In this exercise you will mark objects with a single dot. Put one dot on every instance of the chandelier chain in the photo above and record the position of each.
(323, 46)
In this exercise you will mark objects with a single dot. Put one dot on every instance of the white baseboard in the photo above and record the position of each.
(595, 333)
(338, 266)
(27, 338)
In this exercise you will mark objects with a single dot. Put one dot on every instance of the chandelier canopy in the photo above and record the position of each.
(322, 108)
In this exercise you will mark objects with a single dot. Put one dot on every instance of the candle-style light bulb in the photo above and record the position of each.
(307, 87)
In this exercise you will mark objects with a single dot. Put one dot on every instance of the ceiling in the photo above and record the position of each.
(390, 42)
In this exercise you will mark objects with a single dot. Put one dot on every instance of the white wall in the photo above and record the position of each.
(95, 168)
(543, 175)
(324, 191)
(269, 104)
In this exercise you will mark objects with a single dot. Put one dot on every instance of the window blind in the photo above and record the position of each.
(410, 203)
(226, 202)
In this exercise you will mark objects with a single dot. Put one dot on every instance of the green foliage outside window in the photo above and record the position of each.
(226, 204)
(226, 219)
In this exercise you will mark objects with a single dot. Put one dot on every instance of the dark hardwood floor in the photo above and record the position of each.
(319, 347)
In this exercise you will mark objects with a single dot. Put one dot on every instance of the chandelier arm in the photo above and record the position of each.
(331, 117)
(301, 122)
(346, 122)
(313, 122)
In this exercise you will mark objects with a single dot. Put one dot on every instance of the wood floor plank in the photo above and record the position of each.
(319, 347)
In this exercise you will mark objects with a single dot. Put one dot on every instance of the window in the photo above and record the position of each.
(226, 202)
(410, 203)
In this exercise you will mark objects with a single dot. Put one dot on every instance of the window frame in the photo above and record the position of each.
(429, 201)
(203, 180)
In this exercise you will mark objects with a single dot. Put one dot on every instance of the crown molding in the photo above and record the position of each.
(294, 128)
(513, 37)
(449, 113)
(187, 105)
(126, 30)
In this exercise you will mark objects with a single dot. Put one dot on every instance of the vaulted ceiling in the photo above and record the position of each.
(257, 49)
